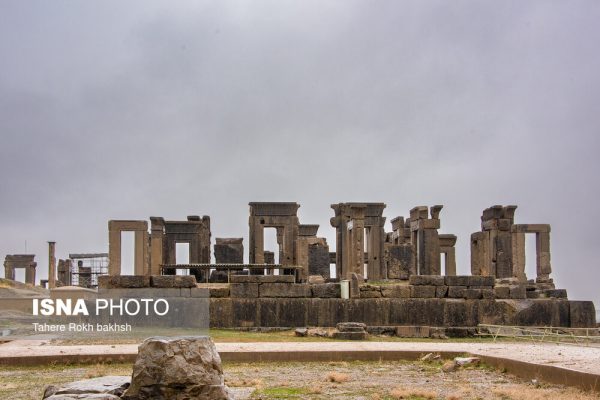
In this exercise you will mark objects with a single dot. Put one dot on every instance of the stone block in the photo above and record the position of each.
(326, 290)
(582, 314)
(218, 291)
(470, 280)
(456, 292)
(400, 261)
(426, 280)
(480, 287)
(243, 290)
(534, 294)
(413, 331)
(422, 291)
(398, 291)
(201, 292)
(488, 294)
(517, 292)
(244, 311)
(459, 312)
(316, 279)
(173, 281)
(267, 310)
(123, 281)
(441, 291)
(542, 312)
(351, 327)
(221, 313)
(284, 290)
(429, 312)
(502, 292)
(555, 293)
(350, 335)
(369, 291)
(292, 312)
(473, 294)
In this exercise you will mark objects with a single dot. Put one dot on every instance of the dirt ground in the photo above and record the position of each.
(330, 380)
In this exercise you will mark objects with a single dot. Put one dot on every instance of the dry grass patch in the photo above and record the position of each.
(532, 393)
(401, 393)
(338, 377)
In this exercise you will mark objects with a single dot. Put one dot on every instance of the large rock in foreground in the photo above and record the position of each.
(178, 368)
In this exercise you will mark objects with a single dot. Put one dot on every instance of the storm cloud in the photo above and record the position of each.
(123, 110)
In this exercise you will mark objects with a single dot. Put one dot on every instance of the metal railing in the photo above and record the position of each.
(589, 337)
(164, 268)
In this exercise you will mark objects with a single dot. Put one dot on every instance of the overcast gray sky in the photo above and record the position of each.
(123, 110)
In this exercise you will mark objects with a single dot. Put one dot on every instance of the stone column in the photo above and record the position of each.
(357, 246)
(51, 265)
(426, 240)
(518, 256)
(9, 271)
(543, 267)
(30, 273)
(157, 233)
(257, 241)
(450, 255)
(141, 243)
(114, 249)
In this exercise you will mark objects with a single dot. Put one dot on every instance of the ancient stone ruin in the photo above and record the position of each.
(389, 281)
(386, 280)
(25, 261)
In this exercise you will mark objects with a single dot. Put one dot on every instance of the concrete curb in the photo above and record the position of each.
(525, 370)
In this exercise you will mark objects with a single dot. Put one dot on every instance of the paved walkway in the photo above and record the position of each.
(576, 358)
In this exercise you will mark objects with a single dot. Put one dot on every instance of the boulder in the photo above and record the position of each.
(186, 367)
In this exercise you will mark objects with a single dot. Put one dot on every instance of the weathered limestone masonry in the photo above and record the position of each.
(312, 253)
(229, 251)
(157, 248)
(427, 301)
(351, 220)
(12, 261)
(414, 246)
(64, 272)
(281, 216)
(196, 232)
(405, 285)
(499, 249)
(425, 239)
(141, 259)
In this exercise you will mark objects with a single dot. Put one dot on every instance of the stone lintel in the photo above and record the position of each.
(531, 228)
(273, 208)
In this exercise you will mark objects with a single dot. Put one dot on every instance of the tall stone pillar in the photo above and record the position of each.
(114, 249)
(543, 267)
(141, 253)
(518, 256)
(157, 234)
(51, 265)
(30, 273)
(425, 239)
(9, 271)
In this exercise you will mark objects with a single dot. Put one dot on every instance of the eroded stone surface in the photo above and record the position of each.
(177, 368)
(106, 387)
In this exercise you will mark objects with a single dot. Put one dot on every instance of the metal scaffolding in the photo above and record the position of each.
(87, 267)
